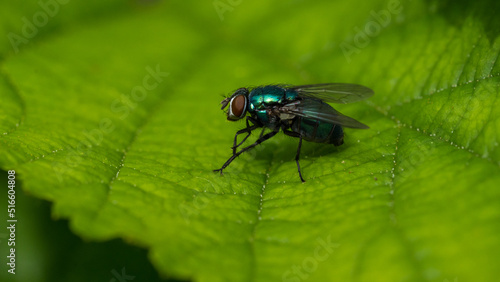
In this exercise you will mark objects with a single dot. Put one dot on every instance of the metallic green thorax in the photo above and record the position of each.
(262, 98)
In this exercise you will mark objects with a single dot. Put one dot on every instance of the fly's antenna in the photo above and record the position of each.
(225, 102)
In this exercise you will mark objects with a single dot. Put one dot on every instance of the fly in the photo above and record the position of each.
(299, 111)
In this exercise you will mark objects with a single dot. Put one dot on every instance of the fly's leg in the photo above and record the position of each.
(262, 132)
(234, 156)
(298, 135)
(248, 130)
(297, 159)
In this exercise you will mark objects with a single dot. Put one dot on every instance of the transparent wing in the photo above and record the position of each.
(316, 109)
(341, 93)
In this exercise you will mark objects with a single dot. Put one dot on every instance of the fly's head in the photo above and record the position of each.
(238, 103)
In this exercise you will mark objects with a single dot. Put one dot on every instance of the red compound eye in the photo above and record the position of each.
(238, 106)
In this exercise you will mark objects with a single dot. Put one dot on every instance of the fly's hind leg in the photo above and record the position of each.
(298, 135)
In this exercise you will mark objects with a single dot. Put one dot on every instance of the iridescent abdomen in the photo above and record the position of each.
(313, 130)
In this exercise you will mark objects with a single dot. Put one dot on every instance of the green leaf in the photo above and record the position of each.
(114, 117)
(46, 250)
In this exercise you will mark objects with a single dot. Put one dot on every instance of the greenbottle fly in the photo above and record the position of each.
(299, 111)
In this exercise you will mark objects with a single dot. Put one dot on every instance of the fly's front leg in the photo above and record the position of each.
(248, 130)
(234, 156)
(298, 135)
